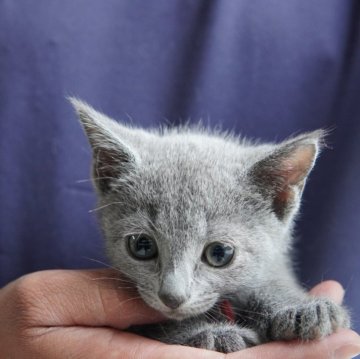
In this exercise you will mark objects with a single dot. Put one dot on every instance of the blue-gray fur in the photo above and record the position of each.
(186, 188)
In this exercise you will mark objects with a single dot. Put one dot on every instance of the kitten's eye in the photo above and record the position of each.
(142, 247)
(218, 254)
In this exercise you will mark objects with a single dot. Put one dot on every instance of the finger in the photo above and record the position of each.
(77, 342)
(338, 345)
(81, 297)
(330, 289)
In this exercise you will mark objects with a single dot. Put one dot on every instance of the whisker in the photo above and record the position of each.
(103, 263)
(210, 316)
(130, 276)
(104, 206)
(129, 300)
(112, 278)
(240, 311)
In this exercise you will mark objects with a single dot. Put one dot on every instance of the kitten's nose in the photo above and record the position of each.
(171, 300)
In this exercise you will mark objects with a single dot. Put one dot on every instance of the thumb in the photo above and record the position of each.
(79, 298)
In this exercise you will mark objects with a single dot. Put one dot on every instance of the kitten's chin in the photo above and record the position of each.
(185, 311)
(176, 315)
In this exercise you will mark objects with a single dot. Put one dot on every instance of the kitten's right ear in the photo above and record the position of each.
(282, 174)
(112, 158)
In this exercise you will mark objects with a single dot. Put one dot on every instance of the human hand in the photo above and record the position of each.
(344, 344)
(78, 314)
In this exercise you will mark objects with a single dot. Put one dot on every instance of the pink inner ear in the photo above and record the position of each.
(278, 174)
(296, 167)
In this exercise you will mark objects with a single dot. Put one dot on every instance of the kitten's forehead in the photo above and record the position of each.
(188, 188)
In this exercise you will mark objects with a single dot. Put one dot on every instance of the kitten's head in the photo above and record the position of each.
(191, 216)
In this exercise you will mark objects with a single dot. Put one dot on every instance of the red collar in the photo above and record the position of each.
(227, 310)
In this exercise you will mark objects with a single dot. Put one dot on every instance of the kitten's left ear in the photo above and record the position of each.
(114, 155)
(281, 175)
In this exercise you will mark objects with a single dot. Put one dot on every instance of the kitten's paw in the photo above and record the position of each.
(223, 338)
(313, 320)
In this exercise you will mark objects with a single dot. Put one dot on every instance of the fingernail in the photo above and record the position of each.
(348, 351)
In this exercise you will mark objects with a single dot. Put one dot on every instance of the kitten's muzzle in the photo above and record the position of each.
(174, 289)
(170, 300)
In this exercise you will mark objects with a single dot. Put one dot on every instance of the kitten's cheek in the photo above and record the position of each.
(151, 302)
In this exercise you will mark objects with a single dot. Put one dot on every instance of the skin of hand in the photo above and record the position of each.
(82, 314)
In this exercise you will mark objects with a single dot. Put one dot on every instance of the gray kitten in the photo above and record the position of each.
(194, 217)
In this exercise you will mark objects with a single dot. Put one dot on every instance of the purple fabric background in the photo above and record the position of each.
(266, 69)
